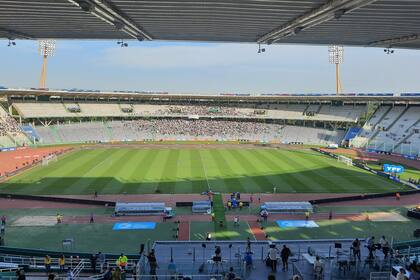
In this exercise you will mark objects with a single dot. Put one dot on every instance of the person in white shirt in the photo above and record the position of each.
(401, 274)
(273, 252)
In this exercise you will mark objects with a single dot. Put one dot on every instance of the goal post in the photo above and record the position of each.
(50, 158)
(345, 160)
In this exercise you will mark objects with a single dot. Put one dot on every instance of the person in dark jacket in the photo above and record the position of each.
(285, 254)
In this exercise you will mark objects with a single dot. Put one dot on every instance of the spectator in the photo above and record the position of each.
(285, 254)
(116, 274)
(47, 263)
(401, 274)
(248, 245)
(108, 274)
(3, 220)
(102, 260)
(356, 248)
(70, 275)
(122, 261)
(152, 262)
(20, 274)
(248, 260)
(272, 255)
(318, 268)
(62, 262)
(385, 246)
(93, 260)
(230, 275)
(271, 277)
(371, 246)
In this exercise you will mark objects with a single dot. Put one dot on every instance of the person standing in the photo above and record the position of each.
(385, 246)
(401, 274)
(285, 254)
(356, 248)
(122, 261)
(152, 262)
(3, 220)
(102, 260)
(371, 246)
(47, 263)
(61, 262)
(272, 255)
(93, 260)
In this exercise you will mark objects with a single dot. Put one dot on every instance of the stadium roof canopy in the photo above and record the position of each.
(31, 94)
(382, 23)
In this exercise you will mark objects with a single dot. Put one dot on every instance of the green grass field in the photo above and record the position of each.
(193, 170)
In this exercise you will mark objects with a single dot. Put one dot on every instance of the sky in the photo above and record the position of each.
(183, 67)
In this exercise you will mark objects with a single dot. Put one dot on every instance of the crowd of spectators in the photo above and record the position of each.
(202, 110)
(8, 125)
(198, 127)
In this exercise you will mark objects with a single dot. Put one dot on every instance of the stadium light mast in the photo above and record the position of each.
(46, 48)
(336, 57)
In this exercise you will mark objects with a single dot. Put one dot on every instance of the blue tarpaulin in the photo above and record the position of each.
(134, 226)
(296, 224)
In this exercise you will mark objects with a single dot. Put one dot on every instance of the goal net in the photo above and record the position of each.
(50, 158)
(345, 160)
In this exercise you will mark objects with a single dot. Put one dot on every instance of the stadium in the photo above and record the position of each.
(160, 185)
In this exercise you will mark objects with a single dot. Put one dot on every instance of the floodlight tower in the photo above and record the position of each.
(336, 57)
(46, 48)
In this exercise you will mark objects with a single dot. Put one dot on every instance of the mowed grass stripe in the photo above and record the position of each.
(342, 179)
(41, 171)
(248, 162)
(140, 179)
(183, 173)
(223, 183)
(57, 180)
(287, 171)
(316, 171)
(247, 182)
(278, 174)
(100, 173)
(198, 180)
(355, 179)
(170, 166)
(118, 169)
(311, 182)
(166, 183)
(133, 170)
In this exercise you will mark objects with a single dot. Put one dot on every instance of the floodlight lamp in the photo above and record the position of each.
(85, 5)
(339, 13)
(46, 47)
(119, 25)
(335, 54)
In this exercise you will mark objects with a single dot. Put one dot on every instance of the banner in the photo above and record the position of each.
(389, 168)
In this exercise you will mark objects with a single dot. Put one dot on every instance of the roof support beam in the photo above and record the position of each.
(330, 10)
(110, 14)
(11, 34)
(395, 41)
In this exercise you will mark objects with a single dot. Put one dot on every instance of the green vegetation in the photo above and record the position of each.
(132, 170)
(219, 214)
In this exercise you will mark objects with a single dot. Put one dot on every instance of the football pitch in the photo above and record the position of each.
(131, 170)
